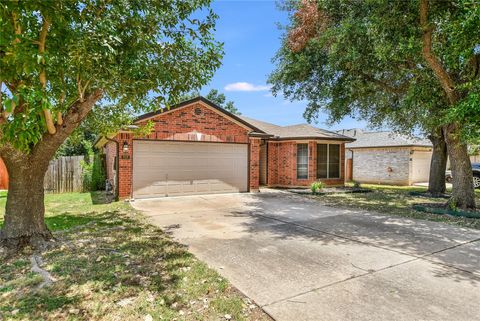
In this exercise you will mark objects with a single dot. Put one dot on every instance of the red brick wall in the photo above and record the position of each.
(185, 124)
(254, 164)
(272, 163)
(125, 165)
(110, 150)
(282, 164)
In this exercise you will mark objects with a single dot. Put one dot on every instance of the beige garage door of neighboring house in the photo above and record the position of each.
(183, 168)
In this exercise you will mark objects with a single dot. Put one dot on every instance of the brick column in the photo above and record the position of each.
(125, 163)
(254, 164)
(272, 157)
(312, 161)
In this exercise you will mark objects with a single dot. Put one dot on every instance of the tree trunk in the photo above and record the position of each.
(24, 212)
(463, 194)
(438, 164)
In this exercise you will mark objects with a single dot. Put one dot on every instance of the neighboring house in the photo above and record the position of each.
(3, 175)
(386, 158)
(199, 148)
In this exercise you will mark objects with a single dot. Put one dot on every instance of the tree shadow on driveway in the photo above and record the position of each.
(284, 216)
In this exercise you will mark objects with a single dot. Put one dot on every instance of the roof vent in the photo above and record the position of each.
(198, 111)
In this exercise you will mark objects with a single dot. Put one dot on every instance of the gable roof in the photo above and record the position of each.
(205, 101)
(300, 131)
(382, 139)
(259, 128)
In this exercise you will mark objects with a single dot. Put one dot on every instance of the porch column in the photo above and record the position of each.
(254, 164)
(125, 165)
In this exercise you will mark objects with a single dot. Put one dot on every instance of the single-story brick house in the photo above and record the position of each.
(386, 158)
(197, 147)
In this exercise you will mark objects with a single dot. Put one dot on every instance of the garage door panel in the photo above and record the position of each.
(183, 168)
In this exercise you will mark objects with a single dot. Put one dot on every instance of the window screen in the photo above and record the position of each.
(302, 161)
(333, 161)
(322, 160)
(328, 161)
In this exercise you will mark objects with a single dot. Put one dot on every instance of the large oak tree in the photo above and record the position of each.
(59, 59)
(411, 65)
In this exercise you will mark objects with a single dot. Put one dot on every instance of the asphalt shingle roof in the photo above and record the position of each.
(382, 139)
(294, 131)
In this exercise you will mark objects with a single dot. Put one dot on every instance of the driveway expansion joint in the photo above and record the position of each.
(353, 277)
(422, 257)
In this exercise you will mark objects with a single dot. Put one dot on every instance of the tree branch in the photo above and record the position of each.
(16, 27)
(71, 120)
(384, 85)
(43, 77)
(434, 63)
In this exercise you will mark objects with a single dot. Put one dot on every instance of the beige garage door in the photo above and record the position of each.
(183, 168)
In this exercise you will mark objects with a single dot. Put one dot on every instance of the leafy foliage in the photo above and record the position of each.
(364, 59)
(316, 187)
(80, 142)
(94, 173)
(216, 97)
(98, 173)
(140, 54)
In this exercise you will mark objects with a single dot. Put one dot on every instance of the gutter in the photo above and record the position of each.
(313, 138)
(262, 135)
(388, 146)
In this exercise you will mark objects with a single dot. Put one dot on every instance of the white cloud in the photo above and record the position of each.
(245, 86)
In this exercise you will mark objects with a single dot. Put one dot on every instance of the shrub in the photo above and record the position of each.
(94, 174)
(356, 184)
(316, 187)
(87, 167)
(98, 173)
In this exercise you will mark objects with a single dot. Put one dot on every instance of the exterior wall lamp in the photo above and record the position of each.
(125, 148)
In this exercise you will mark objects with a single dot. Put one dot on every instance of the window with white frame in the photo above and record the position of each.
(328, 161)
(302, 161)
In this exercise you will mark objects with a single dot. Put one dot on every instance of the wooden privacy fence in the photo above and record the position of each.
(64, 175)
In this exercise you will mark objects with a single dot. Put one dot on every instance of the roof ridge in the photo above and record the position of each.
(257, 120)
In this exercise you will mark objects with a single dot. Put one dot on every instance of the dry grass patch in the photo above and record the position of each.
(396, 200)
(109, 264)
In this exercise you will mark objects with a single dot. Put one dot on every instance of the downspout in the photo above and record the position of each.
(351, 150)
(117, 166)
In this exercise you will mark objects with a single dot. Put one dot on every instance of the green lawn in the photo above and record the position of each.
(109, 264)
(395, 200)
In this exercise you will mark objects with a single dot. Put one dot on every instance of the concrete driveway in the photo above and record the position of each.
(303, 261)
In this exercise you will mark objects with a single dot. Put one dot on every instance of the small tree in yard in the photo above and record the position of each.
(60, 58)
(411, 65)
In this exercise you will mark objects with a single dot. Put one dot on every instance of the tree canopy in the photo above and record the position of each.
(364, 59)
(59, 59)
(410, 65)
(132, 55)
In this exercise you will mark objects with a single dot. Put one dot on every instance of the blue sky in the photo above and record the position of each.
(251, 37)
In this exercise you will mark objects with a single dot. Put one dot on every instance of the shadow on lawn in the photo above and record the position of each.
(99, 259)
(100, 197)
(285, 216)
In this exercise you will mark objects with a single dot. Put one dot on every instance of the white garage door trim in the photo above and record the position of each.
(175, 168)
